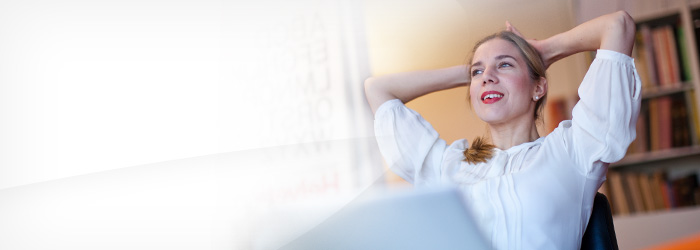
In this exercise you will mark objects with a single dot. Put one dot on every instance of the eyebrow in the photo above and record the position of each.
(479, 63)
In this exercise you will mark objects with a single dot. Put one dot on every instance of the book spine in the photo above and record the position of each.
(634, 192)
(646, 191)
(654, 126)
(619, 202)
(686, 74)
(650, 55)
(665, 118)
(672, 56)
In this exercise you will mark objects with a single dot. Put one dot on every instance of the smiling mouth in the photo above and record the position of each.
(489, 97)
(492, 96)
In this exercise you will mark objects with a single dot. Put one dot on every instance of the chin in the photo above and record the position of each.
(491, 119)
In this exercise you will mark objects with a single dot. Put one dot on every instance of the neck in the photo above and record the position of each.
(505, 136)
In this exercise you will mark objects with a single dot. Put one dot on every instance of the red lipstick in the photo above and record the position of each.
(490, 97)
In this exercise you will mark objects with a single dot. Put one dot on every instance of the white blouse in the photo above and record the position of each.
(536, 195)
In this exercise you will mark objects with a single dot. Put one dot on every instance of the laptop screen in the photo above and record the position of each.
(419, 219)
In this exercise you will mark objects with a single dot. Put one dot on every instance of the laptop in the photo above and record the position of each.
(418, 219)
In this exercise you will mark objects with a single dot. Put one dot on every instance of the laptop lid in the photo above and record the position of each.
(419, 219)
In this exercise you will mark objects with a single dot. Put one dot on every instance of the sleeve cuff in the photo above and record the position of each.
(388, 105)
(613, 55)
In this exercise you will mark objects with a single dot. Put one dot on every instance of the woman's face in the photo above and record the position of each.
(501, 89)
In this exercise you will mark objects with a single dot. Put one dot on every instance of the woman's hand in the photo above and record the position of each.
(541, 46)
(614, 31)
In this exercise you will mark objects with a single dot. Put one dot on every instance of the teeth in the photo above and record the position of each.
(489, 96)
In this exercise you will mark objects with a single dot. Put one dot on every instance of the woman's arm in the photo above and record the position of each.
(604, 120)
(614, 31)
(410, 85)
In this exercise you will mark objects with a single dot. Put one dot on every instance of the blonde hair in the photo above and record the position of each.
(480, 150)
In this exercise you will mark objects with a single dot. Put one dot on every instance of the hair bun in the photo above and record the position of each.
(478, 151)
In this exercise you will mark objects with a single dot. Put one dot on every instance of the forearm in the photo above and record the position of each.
(410, 85)
(613, 31)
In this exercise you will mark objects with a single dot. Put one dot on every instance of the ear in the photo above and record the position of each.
(540, 87)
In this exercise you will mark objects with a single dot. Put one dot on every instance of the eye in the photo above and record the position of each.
(477, 71)
(505, 64)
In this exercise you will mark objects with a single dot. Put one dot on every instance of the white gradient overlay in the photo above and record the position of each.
(179, 124)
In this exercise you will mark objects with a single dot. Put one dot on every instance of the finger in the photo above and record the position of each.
(511, 28)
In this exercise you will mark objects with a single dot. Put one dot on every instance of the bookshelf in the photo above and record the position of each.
(658, 178)
(660, 171)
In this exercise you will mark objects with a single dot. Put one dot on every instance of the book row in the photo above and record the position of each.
(635, 192)
(666, 122)
(661, 56)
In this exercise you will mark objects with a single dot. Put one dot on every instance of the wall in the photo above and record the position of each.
(415, 35)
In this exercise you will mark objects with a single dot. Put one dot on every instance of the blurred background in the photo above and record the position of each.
(237, 115)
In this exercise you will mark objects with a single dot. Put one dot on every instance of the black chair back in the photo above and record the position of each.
(600, 233)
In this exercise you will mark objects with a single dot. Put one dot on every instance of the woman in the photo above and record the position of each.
(526, 191)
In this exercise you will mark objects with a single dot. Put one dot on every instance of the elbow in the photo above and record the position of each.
(378, 91)
(369, 87)
(370, 93)
(627, 23)
(619, 33)
(627, 28)
(368, 83)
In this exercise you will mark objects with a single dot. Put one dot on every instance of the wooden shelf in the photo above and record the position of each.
(636, 231)
(693, 4)
(666, 154)
(651, 15)
(651, 92)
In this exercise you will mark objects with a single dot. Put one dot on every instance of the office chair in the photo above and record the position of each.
(600, 233)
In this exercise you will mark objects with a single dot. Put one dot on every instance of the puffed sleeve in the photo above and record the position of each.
(409, 144)
(603, 121)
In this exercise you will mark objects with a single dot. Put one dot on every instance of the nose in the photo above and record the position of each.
(489, 76)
